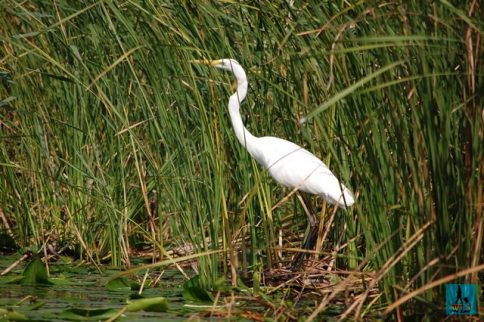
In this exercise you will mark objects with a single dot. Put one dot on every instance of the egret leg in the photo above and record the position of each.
(311, 237)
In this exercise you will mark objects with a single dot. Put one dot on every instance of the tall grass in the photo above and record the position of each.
(111, 139)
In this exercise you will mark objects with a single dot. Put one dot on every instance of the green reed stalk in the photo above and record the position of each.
(112, 140)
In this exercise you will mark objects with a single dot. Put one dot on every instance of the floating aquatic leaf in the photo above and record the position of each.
(59, 281)
(193, 290)
(152, 304)
(119, 284)
(35, 273)
(9, 315)
(77, 314)
(35, 305)
(11, 279)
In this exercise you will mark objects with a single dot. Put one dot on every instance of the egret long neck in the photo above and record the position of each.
(243, 135)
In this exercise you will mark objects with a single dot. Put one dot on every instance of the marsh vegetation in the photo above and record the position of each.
(114, 146)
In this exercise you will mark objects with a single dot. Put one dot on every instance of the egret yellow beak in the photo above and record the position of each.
(206, 62)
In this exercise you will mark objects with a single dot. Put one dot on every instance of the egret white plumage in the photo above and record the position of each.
(288, 163)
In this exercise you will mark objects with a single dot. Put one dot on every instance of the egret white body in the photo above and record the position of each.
(288, 163)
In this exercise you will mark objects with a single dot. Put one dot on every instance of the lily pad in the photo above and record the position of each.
(10, 315)
(152, 304)
(193, 290)
(76, 314)
(119, 284)
(34, 273)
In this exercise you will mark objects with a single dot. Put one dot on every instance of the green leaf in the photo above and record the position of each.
(76, 314)
(33, 306)
(12, 280)
(350, 89)
(7, 315)
(153, 304)
(59, 280)
(35, 273)
(193, 290)
(119, 284)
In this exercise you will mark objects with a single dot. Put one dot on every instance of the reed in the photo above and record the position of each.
(111, 139)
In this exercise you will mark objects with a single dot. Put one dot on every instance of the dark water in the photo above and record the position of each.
(84, 289)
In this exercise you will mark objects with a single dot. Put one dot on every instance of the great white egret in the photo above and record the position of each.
(288, 163)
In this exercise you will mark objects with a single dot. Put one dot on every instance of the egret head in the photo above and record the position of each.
(233, 66)
(225, 64)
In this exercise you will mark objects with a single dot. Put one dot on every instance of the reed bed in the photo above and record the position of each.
(112, 141)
